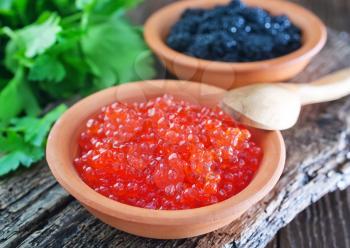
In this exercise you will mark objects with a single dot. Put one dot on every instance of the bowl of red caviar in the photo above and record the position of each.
(232, 43)
(160, 159)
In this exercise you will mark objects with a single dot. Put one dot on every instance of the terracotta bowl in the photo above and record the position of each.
(163, 224)
(231, 75)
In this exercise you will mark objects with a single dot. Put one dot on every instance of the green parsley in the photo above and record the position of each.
(53, 50)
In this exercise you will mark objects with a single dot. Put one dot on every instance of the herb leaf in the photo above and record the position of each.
(35, 129)
(32, 40)
(105, 7)
(20, 153)
(23, 141)
(52, 51)
(47, 68)
(38, 37)
(16, 97)
(10, 98)
(113, 58)
(29, 100)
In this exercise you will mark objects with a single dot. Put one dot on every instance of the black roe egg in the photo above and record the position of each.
(234, 33)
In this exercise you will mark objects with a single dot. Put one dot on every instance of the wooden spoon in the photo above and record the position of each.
(276, 106)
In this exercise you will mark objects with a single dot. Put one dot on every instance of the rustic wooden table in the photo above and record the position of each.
(35, 211)
(327, 222)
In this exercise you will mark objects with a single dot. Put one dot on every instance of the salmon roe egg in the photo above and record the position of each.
(166, 154)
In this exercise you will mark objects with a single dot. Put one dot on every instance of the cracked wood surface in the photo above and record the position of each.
(35, 211)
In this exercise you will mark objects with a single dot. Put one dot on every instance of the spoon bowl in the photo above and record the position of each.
(277, 106)
(62, 148)
(265, 106)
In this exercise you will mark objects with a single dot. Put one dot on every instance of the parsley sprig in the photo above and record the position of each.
(52, 50)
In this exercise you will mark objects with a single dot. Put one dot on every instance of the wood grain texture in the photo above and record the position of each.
(36, 212)
(335, 13)
(324, 224)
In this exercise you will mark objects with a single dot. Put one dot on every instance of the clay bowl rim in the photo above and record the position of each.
(316, 36)
(63, 170)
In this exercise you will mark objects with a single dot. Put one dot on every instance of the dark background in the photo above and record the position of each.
(335, 13)
(327, 222)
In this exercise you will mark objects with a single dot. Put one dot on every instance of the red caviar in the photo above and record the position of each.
(166, 154)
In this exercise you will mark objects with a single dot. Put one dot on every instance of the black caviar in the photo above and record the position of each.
(234, 33)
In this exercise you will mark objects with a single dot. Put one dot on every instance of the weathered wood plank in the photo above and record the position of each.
(74, 225)
(37, 212)
(26, 199)
(327, 224)
(11, 188)
(335, 14)
(317, 162)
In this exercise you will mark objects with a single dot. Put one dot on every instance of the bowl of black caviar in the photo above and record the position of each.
(231, 43)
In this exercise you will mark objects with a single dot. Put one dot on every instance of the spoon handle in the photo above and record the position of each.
(328, 88)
